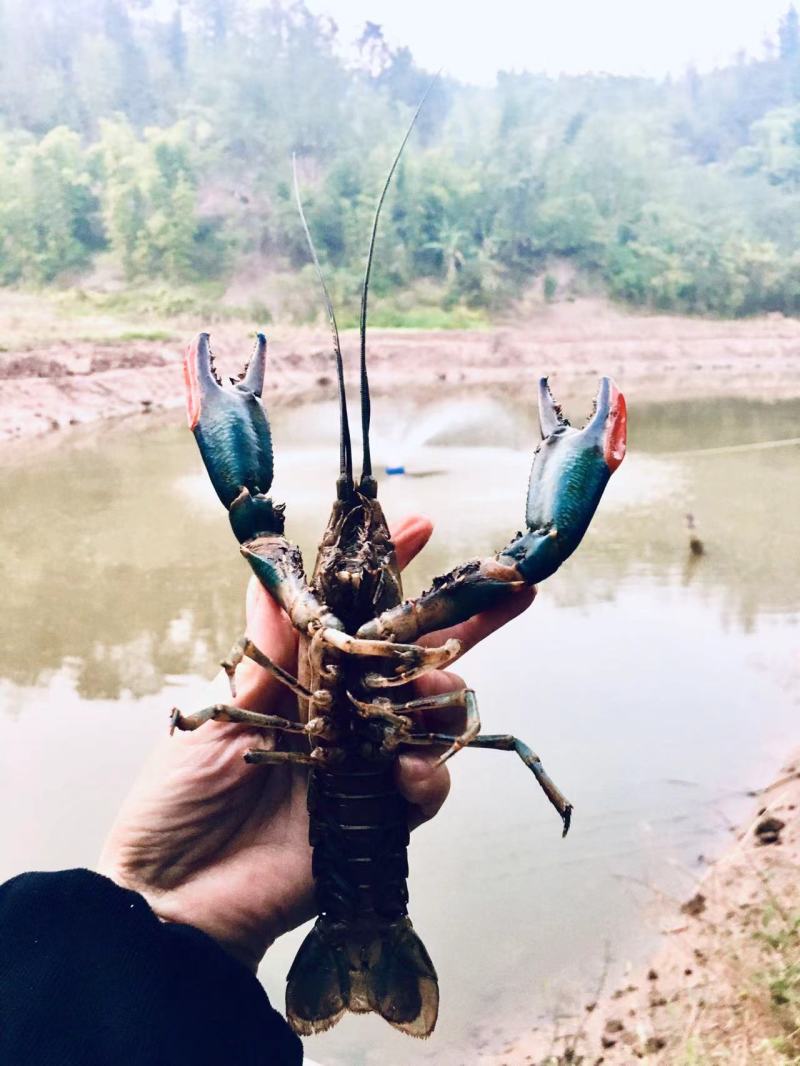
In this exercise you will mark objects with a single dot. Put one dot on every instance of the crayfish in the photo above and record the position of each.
(358, 638)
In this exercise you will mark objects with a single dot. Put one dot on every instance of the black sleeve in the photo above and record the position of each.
(90, 977)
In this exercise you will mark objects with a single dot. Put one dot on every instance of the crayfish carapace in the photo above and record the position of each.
(358, 638)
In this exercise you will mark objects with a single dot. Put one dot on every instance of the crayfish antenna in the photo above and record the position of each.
(368, 485)
(345, 483)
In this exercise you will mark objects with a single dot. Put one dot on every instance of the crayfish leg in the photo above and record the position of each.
(224, 712)
(411, 660)
(246, 649)
(503, 742)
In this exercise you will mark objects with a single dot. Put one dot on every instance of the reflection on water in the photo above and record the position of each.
(658, 687)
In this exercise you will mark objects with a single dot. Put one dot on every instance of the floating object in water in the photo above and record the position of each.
(397, 468)
(696, 546)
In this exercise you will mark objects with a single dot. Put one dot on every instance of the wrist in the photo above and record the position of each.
(180, 907)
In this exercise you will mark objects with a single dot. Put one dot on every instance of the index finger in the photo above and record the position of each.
(480, 626)
(410, 535)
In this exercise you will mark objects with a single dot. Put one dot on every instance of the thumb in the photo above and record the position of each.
(269, 628)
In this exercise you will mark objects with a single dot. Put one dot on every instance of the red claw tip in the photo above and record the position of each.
(616, 436)
(192, 385)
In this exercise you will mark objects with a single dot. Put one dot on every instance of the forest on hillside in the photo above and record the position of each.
(152, 142)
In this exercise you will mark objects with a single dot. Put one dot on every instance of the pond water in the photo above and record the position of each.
(657, 687)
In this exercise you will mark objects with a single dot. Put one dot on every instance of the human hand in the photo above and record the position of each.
(213, 842)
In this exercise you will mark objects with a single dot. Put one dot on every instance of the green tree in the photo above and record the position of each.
(149, 201)
(48, 210)
(774, 150)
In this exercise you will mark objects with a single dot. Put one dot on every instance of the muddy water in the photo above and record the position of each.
(657, 687)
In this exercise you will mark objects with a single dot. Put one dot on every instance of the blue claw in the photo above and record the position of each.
(570, 470)
(232, 433)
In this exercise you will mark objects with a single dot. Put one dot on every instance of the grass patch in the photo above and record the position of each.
(160, 313)
(420, 318)
(204, 303)
(422, 307)
(156, 302)
(755, 1005)
(156, 314)
(780, 935)
(130, 335)
(148, 335)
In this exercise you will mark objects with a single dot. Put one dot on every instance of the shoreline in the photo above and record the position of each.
(48, 386)
(723, 984)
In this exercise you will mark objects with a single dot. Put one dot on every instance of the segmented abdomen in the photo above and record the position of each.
(359, 833)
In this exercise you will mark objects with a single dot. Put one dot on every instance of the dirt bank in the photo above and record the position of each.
(724, 987)
(45, 386)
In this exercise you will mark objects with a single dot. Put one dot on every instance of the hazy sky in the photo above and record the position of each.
(473, 40)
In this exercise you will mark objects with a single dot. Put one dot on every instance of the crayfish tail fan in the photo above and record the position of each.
(386, 970)
(402, 985)
(318, 984)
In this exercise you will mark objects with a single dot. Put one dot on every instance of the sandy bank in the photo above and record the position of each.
(724, 986)
(47, 386)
